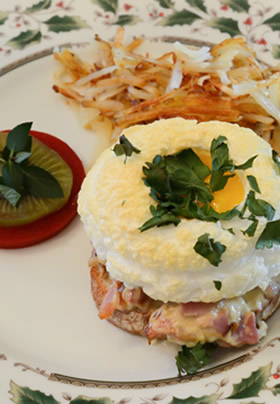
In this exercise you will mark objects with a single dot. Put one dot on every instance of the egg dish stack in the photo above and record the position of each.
(184, 220)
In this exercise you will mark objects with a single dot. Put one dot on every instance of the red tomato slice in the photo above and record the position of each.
(48, 226)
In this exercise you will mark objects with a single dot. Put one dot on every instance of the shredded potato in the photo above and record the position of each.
(122, 87)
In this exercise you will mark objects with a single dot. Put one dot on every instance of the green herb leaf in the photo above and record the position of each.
(247, 164)
(259, 207)
(250, 231)
(18, 139)
(254, 183)
(190, 360)
(6, 153)
(218, 285)
(22, 156)
(10, 194)
(219, 180)
(269, 236)
(209, 249)
(40, 183)
(275, 158)
(12, 175)
(161, 217)
(125, 147)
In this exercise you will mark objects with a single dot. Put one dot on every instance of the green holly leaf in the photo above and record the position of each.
(276, 389)
(274, 22)
(276, 51)
(42, 5)
(3, 16)
(25, 38)
(65, 24)
(211, 399)
(197, 4)
(237, 5)
(126, 19)
(24, 395)
(166, 3)
(251, 402)
(88, 400)
(184, 17)
(107, 5)
(252, 385)
(227, 25)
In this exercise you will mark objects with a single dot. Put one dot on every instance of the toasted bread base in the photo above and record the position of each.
(136, 321)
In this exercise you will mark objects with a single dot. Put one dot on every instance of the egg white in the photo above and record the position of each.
(114, 203)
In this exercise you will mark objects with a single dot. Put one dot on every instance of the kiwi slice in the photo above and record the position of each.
(32, 208)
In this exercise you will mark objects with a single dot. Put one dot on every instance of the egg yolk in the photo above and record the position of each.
(228, 197)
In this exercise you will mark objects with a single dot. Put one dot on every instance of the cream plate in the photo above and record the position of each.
(50, 331)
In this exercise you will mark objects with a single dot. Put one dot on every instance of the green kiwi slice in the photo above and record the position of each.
(32, 208)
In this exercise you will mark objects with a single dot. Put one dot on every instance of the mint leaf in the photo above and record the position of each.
(254, 183)
(12, 176)
(209, 249)
(269, 236)
(10, 194)
(218, 285)
(40, 183)
(19, 139)
(190, 360)
(125, 148)
(22, 156)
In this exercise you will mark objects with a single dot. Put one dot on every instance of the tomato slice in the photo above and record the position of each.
(48, 226)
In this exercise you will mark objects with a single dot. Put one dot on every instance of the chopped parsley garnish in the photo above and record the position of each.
(251, 229)
(258, 207)
(190, 360)
(218, 285)
(209, 249)
(254, 183)
(269, 236)
(19, 177)
(125, 148)
(182, 186)
(275, 158)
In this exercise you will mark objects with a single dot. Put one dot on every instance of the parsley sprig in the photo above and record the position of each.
(180, 185)
(19, 177)
(190, 360)
(125, 147)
